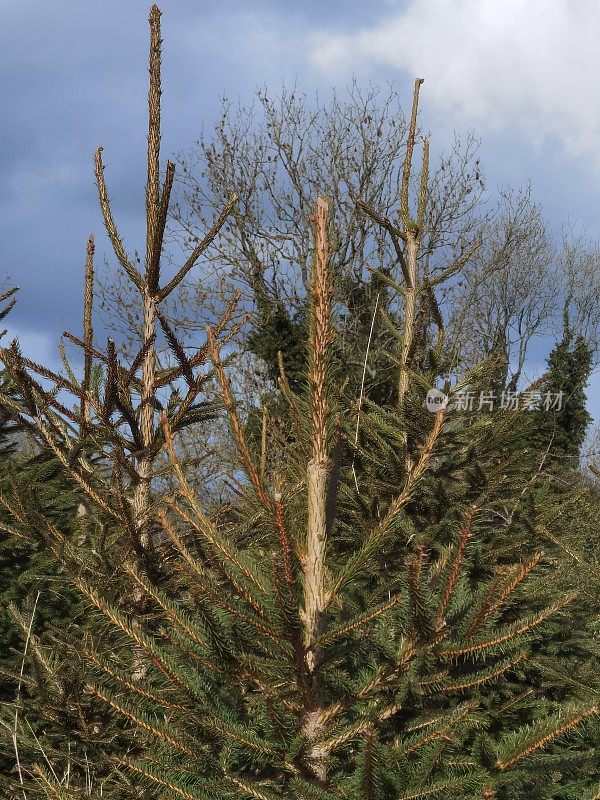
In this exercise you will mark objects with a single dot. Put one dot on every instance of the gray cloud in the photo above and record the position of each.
(73, 75)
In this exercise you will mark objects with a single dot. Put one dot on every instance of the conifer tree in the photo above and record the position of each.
(569, 368)
(108, 446)
(334, 631)
(29, 576)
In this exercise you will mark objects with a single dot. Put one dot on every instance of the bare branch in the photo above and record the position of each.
(199, 249)
(109, 223)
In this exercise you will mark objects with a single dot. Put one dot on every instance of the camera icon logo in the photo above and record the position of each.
(436, 401)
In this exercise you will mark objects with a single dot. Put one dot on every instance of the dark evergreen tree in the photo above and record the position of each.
(569, 368)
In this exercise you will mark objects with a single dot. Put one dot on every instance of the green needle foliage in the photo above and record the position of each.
(375, 618)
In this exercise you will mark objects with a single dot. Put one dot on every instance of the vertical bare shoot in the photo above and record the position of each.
(154, 92)
(88, 332)
(314, 560)
(320, 335)
(141, 501)
(412, 238)
(410, 146)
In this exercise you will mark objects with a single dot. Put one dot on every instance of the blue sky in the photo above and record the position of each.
(521, 74)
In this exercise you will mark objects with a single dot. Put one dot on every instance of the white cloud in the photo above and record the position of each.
(525, 64)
